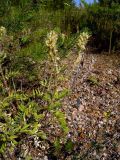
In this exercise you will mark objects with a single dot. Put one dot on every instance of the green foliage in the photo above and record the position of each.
(23, 111)
(24, 120)
(67, 44)
(108, 3)
(69, 146)
(56, 4)
(60, 117)
(57, 145)
(93, 80)
(104, 23)
(36, 51)
(101, 18)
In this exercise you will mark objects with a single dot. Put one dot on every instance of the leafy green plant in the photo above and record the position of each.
(55, 100)
(22, 112)
(23, 121)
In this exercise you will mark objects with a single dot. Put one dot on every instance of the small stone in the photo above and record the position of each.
(78, 102)
(81, 108)
(74, 113)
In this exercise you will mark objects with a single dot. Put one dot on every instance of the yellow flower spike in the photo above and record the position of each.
(51, 43)
(82, 41)
(2, 32)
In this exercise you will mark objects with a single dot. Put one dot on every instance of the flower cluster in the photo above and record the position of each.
(81, 43)
(82, 40)
(2, 32)
(2, 35)
(51, 43)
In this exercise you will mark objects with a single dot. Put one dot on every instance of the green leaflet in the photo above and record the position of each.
(61, 94)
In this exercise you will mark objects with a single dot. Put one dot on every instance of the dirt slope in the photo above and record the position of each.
(93, 108)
